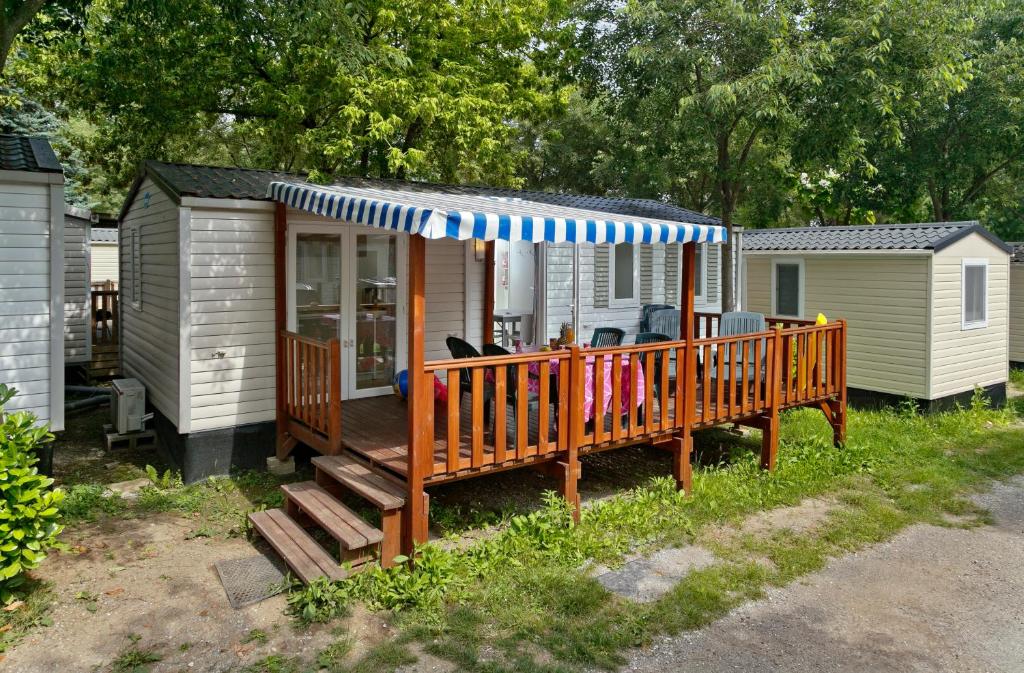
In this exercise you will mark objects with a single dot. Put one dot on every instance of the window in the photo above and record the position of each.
(788, 288)
(700, 278)
(974, 285)
(134, 267)
(622, 266)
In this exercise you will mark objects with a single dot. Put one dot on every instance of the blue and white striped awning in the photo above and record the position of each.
(440, 214)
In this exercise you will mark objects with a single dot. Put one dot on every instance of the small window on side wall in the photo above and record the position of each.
(622, 267)
(974, 285)
(788, 288)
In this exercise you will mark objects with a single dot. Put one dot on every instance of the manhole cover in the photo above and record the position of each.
(251, 580)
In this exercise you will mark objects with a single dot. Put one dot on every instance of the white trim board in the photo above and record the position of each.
(56, 401)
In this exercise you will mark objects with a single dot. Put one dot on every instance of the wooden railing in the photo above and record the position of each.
(312, 390)
(705, 325)
(500, 409)
(105, 317)
(731, 378)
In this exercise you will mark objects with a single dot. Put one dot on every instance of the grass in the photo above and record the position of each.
(520, 601)
(1017, 377)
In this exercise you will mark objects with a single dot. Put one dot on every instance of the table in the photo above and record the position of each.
(506, 319)
(625, 381)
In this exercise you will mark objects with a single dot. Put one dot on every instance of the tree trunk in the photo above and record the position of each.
(14, 16)
(728, 264)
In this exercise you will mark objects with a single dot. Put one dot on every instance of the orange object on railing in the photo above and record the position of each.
(312, 390)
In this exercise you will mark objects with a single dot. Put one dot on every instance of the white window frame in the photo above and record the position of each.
(705, 252)
(975, 324)
(801, 294)
(133, 291)
(635, 299)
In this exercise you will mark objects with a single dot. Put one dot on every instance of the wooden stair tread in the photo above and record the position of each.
(356, 476)
(300, 551)
(339, 521)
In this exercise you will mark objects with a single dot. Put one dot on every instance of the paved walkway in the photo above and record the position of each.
(931, 599)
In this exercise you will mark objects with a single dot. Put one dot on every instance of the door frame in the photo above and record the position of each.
(347, 234)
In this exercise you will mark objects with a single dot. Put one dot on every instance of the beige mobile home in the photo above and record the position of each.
(1017, 306)
(77, 333)
(103, 255)
(926, 304)
(32, 277)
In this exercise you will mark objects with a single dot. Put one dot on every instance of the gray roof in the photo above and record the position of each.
(1018, 252)
(26, 153)
(240, 183)
(103, 235)
(932, 236)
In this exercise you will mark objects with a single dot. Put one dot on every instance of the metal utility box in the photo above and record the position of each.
(128, 406)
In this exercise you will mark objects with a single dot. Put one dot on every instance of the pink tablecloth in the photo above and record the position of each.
(533, 384)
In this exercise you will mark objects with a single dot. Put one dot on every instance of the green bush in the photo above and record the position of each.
(29, 514)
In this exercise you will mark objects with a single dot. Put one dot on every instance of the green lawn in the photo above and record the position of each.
(520, 599)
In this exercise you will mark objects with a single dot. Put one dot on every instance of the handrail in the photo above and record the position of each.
(312, 390)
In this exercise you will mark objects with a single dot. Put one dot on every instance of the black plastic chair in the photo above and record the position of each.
(511, 383)
(460, 349)
(605, 337)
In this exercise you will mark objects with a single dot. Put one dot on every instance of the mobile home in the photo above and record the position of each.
(32, 340)
(926, 303)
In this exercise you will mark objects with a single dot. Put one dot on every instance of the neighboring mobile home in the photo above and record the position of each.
(1017, 305)
(262, 311)
(926, 304)
(77, 328)
(103, 255)
(32, 276)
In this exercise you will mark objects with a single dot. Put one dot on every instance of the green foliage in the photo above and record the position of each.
(29, 507)
(169, 479)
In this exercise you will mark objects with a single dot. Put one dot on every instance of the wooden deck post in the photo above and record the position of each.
(334, 397)
(420, 454)
(284, 443)
(770, 421)
(488, 294)
(839, 405)
(682, 442)
(571, 468)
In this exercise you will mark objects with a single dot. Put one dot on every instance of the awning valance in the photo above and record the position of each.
(463, 216)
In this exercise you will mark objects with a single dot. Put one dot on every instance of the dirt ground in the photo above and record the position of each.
(931, 599)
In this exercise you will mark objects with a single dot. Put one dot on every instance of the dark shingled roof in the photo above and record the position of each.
(103, 235)
(922, 236)
(240, 183)
(25, 153)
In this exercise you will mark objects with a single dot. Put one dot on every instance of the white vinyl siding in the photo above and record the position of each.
(710, 259)
(963, 359)
(150, 334)
(30, 363)
(232, 346)
(103, 260)
(76, 290)
(1017, 312)
(884, 299)
(448, 312)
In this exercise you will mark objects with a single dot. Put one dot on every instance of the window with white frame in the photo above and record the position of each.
(701, 275)
(974, 286)
(623, 277)
(788, 288)
(135, 267)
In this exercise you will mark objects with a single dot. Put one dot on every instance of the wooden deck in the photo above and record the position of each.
(376, 429)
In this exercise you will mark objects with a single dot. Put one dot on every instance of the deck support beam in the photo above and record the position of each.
(682, 442)
(420, 451)
(285, 443)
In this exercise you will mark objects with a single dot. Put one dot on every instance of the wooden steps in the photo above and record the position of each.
(299, 550)
(316, 504)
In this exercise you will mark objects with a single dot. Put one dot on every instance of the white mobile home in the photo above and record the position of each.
(77, 328)
(926, 304)
(197, 299)
(32, 276)
(1017, 305)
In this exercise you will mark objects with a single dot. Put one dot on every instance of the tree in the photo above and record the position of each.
(412, 87)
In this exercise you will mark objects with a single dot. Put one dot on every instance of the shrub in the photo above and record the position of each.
(29, 515)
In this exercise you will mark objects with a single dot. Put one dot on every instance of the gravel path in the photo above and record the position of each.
(931, 599)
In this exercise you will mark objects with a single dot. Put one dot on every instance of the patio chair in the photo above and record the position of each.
(738, 323)
(512, 388)
(665, 321)
(647, 310)
(650, 338)
(607, 336)
(463, 349)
